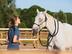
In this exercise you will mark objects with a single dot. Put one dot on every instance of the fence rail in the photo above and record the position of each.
(25, 35)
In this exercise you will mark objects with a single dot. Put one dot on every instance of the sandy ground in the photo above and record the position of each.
(30, 50)
(24, 51)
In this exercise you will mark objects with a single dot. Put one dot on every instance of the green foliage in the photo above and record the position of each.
(22, 25)
(61, 16)
(7, 9)
(69, 18)
(27, 16)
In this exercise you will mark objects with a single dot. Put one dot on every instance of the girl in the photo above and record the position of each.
(13, 33)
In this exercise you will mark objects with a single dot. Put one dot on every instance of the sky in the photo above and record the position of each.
(51, 5)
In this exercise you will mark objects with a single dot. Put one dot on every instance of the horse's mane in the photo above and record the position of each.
(48, 15)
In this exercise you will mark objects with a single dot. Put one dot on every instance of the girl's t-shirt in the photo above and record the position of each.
(14, 30)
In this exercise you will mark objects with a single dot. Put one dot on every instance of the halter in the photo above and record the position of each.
(42, 22)
(50, 36)
(54, 33)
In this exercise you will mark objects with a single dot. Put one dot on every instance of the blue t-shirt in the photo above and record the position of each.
(13, 31)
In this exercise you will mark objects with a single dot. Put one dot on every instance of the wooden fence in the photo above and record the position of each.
(25, 35)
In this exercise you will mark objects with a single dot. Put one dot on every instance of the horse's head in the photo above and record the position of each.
(40, 22)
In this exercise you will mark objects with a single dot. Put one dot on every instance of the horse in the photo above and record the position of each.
(61, 32)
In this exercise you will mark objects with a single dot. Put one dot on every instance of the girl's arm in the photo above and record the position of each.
(15, 38)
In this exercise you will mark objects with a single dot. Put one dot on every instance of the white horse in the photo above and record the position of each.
(63, 38)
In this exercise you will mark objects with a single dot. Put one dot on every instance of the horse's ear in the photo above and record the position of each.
(37, 10)
(45, 11)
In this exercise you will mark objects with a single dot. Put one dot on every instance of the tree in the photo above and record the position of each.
(69, 18)
(62, 16)
(28, 15)
(7, 9)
